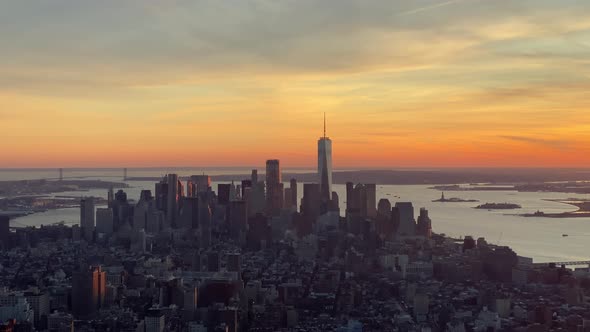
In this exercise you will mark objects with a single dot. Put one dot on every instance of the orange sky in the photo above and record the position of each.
(404, 83)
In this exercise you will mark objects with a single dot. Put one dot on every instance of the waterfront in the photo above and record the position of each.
(536, 237)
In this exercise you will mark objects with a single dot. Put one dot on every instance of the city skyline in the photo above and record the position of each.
(145, 84)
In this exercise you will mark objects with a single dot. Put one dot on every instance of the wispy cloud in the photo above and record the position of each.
(553, 143)
(430, 7)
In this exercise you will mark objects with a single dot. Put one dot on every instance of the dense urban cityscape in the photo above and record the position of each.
(249, 257)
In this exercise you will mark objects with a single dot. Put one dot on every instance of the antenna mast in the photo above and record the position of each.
(324, 124)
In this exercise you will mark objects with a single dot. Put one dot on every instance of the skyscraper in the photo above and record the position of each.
(104, 221)
(274, 187)
(424, 226)
(88, 291)
(87, 218)
(175, 191)
(294, 193)
(407, 223)
(325, 165)
(4, 232)
(202, 183)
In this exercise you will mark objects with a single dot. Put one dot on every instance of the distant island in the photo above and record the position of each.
(583, 210)
(443, 199)
(498, 206)
(577, 187)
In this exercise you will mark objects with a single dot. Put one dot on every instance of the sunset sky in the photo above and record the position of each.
(226, 83)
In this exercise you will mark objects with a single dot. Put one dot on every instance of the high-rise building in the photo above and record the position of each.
(246, 184)
(4, 232)
(238, 220)
(310, 203)
(87, 218)
(383, 224)
(407, 223)
(424, 226)
(356, 199)
(189, 215)
(190, 188)
(288, 199)
(122, 210)
(88, 292)
(145, 205)
(255, 199)
(110, 196)
(274, 187)
(254, 176)
(202, 183)
(205, 217)
(223, 193)
(293, 186)
(325, 165)
(371, 189)
(310, 209)
(104, 221)
(162, 195)
(175, 191)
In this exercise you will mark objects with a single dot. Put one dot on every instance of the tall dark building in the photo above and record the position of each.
(88, 292)
(175, 192)
(383, 223)
(371, 189)
(246, 184)
(4, 232)
(356, 200)
(205, 217)
(407, 223)
(310, 204)
(238, 220)
(223, 193)
(274, 187)
(424, 226)
(254, 176)
(189, 215)
(361, 199)
(162, 195)
(87, 221)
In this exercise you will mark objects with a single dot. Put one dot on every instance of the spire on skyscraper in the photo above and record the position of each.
(324, 124)
(325, 165)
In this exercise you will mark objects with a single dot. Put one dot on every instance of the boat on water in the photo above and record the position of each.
(564, 235)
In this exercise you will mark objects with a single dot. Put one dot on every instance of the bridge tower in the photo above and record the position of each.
(124, 174)
(61, 174)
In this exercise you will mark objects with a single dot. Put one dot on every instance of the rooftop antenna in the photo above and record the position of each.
(324, 124)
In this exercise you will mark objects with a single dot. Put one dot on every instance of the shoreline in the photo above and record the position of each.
(583, 210)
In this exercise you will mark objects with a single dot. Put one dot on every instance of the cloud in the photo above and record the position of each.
(552, 143)
(87, 48)
(430, 7)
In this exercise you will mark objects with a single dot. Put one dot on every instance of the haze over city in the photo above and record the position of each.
(404, 83)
